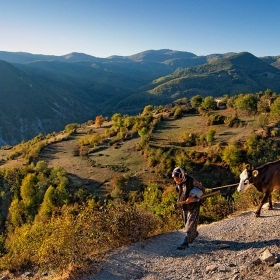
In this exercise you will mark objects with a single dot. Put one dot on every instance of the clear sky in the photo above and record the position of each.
(124, 27)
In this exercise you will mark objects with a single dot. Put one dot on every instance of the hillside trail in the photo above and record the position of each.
(227, 249)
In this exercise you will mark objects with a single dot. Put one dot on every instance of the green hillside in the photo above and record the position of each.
(239, 73)
(45, 93)
(272, 60)
(30, 105)
(160, 55)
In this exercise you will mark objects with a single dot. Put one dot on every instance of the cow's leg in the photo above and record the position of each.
(270, 202)
(258, 212)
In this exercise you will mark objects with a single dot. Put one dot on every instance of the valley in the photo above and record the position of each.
(45, 93)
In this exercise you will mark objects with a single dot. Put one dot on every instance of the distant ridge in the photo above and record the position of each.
(43, 93)
(30, 105)
(235, 74)
(22, 57)
(160, 55)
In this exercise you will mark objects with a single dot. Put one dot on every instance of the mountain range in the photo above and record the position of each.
(43, 93)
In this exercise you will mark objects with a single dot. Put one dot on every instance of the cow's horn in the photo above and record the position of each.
(255, 173)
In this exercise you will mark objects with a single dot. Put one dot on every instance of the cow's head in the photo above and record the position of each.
(245, 177)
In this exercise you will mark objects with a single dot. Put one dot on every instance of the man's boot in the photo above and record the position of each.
(184, 245)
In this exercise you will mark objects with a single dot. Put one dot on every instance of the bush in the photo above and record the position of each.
(75, 233)
(211, 135)
(72, 127)
(119, 183)
(190, 139)
(231, 155)
(214, 208)
(233, 121)
(275, 132)
(247, 200)
(161, 203)
(215, 119)
(207, 166)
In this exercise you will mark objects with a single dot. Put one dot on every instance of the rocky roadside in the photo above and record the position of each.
(239, 247)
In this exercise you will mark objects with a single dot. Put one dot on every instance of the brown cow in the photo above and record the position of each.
(265, 178)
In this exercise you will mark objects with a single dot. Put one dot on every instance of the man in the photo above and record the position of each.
(189, 190)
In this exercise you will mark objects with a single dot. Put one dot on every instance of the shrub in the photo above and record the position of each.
(211, 135)
(231, 155)
(275, 108)
(209, 103)
(181, 159)
(259, 150)
(215, 119)
(214, 208)
(207, 165)
(233, 121)
(70, 128)
(161, 203)
(275, 132)
(177, 113)
(247, 102)
(190, 139)
(75, 233)
(119, 183)
(202, 139)
(247, 200)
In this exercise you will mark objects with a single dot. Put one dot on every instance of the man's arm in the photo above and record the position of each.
(190, 199)
(198, 185)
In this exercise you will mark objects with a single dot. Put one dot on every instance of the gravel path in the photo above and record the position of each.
(228, 249)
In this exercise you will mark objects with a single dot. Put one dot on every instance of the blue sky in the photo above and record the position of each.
(124, 27)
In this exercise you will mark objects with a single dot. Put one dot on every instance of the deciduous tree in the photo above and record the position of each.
(247, 102)
(208, 103)
(275, 108)
(48, 202)
(99, 121)
(28, 194)
(196, 101)
(231, 154)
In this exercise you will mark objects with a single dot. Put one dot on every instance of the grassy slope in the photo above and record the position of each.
(98, 178)
(171, 131)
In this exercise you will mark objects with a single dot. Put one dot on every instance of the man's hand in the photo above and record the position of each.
(176, 206)
(189, 199)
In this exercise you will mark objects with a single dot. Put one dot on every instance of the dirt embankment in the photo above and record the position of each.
(228, 249)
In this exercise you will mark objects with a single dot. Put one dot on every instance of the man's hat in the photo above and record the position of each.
(178, 172)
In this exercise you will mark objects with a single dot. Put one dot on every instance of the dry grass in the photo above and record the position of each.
(171, 131)
(98, 178)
